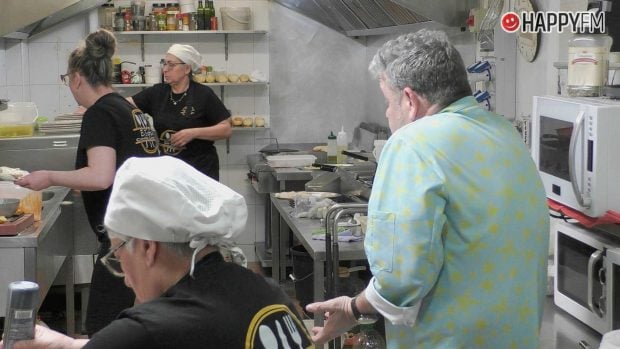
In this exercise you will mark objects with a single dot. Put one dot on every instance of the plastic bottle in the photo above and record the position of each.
(588, 56)
(368, 338)
(341, 144)
(332, 148)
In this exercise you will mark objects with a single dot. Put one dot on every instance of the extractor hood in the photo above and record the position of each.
(20, 19)
(373, 17)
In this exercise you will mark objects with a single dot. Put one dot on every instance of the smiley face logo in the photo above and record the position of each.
(510, 22)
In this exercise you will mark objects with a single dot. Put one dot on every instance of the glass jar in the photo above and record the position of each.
(171, 20)
(106, 16)
(588, 57)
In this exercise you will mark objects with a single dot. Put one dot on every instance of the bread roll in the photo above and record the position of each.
(248, 122)
(233, 78)
(237, 121)
(222, 78)
(259, 121)
(244, 78)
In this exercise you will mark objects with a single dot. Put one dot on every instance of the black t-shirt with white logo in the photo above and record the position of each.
(113, 122)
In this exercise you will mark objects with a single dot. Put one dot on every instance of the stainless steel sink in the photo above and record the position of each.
(48, 195)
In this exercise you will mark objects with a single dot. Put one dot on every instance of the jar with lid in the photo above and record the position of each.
(106, 16)
(588, 57)
(171, 20)
(119, 22)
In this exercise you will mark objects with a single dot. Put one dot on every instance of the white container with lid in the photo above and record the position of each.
(588, 56)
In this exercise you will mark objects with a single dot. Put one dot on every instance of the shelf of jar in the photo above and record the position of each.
(213, 32)
(249, 128)
(564, 65)
(262, 83)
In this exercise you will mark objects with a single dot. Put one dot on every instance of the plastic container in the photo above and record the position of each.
(588, 56)
(332, 157)
(18, 119)
(236, 18)
(290, 160)
(341, 144)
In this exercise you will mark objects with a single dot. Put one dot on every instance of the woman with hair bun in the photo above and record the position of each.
(113, 130)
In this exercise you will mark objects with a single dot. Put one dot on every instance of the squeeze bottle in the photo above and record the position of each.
(331, 148)
(341, 144)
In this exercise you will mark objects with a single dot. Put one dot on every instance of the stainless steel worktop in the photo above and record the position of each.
(43, 251)
(560, 330)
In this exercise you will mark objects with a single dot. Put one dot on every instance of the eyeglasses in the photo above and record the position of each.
(112, 263)
(65, 78)
(171, 65)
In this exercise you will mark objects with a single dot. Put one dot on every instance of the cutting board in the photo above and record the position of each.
(17, 226)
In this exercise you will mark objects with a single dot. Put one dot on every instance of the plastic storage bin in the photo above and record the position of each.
(236, 18)
(18, 119)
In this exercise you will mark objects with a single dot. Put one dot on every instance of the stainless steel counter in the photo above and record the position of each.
(42, 252)
(560, 330)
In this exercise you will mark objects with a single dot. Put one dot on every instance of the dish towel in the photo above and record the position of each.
(610, 217)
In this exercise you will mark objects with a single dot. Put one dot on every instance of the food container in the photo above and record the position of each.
(290, 160)
(18, 119)
(8, 207)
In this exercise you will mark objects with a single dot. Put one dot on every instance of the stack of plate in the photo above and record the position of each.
(62, 124)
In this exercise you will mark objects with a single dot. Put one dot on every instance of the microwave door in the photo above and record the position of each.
(576, 161)
(612, 261)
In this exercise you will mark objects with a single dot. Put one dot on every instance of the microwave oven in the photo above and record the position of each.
(587, 275)
(576, 147)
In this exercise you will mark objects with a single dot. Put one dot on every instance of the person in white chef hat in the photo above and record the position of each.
(188, 115)
(166, 221)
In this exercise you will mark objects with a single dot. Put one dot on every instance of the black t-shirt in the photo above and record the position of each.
(223, 306)
(113, 122)
(199, 107)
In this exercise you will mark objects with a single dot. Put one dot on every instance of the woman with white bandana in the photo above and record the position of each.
(167, 221)
(188, 116)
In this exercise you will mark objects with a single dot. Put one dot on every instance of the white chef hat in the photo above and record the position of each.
(187, 54)
(165, 199)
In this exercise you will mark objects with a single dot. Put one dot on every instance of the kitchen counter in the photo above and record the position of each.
(43, 251)
(560, 330)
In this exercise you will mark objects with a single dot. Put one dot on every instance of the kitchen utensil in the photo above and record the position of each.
(267, 337)
(8, 207)
(292, 329)
(282, 336)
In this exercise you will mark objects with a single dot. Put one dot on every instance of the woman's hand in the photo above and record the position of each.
(44, 338)
(182, 137)
(339, 318)
(37, 180)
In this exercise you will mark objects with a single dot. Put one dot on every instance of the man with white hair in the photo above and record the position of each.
(188, 116)
(167, 221)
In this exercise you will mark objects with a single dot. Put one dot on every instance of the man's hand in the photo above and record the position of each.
(339, 318)
(44, 338)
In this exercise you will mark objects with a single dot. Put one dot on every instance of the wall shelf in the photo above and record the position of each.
(223, 84)
(190, 32)
(185, 32)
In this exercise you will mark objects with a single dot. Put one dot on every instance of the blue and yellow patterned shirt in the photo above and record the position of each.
(458, 225)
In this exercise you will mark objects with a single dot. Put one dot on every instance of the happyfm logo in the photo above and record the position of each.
(553, 21)
(511, 22)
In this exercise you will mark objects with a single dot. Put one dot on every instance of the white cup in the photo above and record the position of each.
(379, 143)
